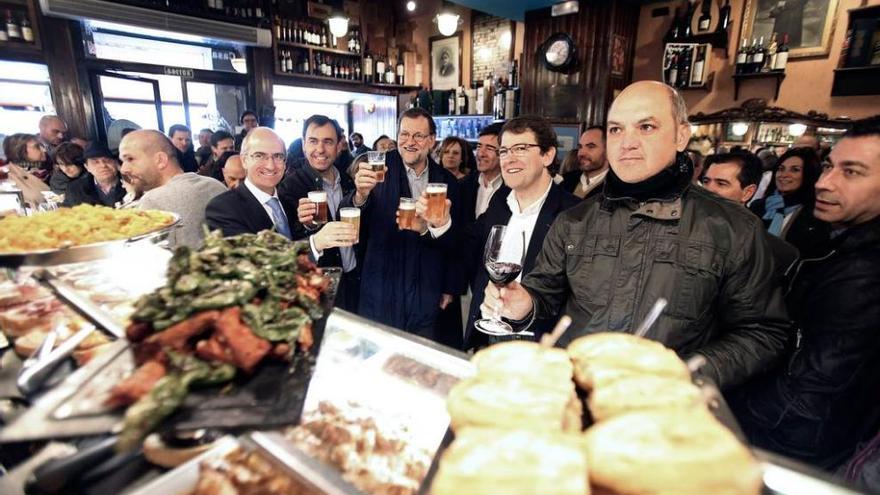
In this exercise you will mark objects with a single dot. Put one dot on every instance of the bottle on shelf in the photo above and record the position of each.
(27, 33)
(750, 57)
(770, 58)
(758, 58)
(13, 30)
(323, 40)
(684, 70)
(401, 71)
(461, 101)
(674, 32)
(380, 70)
(742, 57)
(277, 28)
(685, 29)
(705, 20)
(697, 77)
(368, 68)
(513, 74)
(782, 54)
(304, 68)
(723, 17)
(672, 75)
(390, 75)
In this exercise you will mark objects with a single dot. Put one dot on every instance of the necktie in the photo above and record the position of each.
(278, 217)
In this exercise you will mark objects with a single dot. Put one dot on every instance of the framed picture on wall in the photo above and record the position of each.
(567, 136)
(446, 61)
(618, 55)
(809, 24)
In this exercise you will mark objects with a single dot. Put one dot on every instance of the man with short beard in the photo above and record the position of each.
(52, 131)
(825, 399)
(404, 271)
(332, 243)
(653, 234)
(593, 163)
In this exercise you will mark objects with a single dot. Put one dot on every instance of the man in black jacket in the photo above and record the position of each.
(101, 185)
(593, 164)
(653, 234)
(528, 208)
(826, 398)
(332, 243)
(181, 138)
(254, 205)
(478, 188)
(221, 142)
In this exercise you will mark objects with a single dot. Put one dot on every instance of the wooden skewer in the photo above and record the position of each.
(549, 339)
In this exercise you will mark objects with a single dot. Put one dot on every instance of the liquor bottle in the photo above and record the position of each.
(758, 58)
(724, 17)
(697, 78)
(305, 65)
(686, 22)
(741, 57)
(380, 70)
(705, 19)
(12, 28)
(368, 68)
(782, 54)
(401, 71)
(26, 32)
(770, 59)
(513, 75)
(461, 101)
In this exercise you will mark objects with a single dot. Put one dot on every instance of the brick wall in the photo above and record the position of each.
(488, 55)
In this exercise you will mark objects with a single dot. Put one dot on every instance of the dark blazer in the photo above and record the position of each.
(84, 191)
(469, 187)
(238, 211)
(805, 232)
(498, 213)
(297, 185)
(571, 180)
(404, 274)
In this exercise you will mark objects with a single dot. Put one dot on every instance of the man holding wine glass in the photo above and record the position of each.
(652, 234)
(318, 189)
(405, 279)
(514, 225)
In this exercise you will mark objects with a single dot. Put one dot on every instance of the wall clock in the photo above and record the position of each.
(558, 52)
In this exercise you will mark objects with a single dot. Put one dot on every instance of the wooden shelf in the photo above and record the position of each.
(706, 86)
(395, 86)
(716, 39)
(317, 78)
(856, 81)
(779, 75)
(20, 50)
(319, 49)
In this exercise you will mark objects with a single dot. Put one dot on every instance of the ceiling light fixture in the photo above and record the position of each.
(410, 6)
(740, 128)
(338, 25)
(447, 23)
(797, 130)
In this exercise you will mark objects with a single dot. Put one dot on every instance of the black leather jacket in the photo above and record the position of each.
(608, 259)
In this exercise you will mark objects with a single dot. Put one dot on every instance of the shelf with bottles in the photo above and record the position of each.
(304, 62)
(858, 69)
(315, 35)
(242, 12)
(17, 31)
(685, 66)
(709, 24)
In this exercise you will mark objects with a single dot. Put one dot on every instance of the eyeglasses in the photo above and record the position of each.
(518, 150)
(418, 137)
(263, 157)
(487, 147)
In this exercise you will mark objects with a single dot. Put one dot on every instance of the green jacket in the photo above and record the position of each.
(606, 261)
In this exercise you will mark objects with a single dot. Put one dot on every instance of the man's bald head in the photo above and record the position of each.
(149, 159)
(259, 134)
(52, 129)
(233, 171)
(262, 154)
(647, 125)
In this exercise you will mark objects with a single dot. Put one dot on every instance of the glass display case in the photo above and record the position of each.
(467, 127)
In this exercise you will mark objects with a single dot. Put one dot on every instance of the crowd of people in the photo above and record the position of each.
(770, 266)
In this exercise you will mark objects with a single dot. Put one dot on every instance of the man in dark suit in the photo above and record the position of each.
(403, 276)
(254, 205)
(528, 148)
(477, 189)
(101, 185)
(593, 164)
(331, 242)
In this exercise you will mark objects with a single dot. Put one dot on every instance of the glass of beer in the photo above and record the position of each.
(376, 161)
(436, 202)
(406, 213)
(352, 216)
(320, 200)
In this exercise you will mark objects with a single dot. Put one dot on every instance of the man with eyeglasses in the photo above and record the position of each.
(653, 234)
(478, 189)
(593, 164)
(405, 275)
(150, 164)
(332, 243)
(528, 148)
(254, 206)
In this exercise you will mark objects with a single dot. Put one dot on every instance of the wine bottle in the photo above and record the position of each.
(699, 64)
(750, 57)
(723, 17)
(673, 71)
(12, 28)
(741, 57)
(673, 33)
(368, 68)
(770, 59)
(380, 70)
(705, 19)
(26, 32)
(686, 31)
(758, 58)
(782, 54)
(684, 71)
(305, 65)
(401, 71)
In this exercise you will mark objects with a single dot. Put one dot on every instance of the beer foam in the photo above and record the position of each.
(318, 196)
(407, 206)
(349, 213)
(436, 188)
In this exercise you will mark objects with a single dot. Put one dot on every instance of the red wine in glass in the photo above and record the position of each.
(503, 258)
(503, 272)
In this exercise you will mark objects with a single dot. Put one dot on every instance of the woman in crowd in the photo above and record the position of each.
(456, 156)
(69, 165)
(25, 151)
(787, 210)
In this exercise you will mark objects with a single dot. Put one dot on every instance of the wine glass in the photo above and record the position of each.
(503, 257)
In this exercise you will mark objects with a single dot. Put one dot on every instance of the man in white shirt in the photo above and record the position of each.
(479, 188)
(528, 148)
(593, 162)
(254, 205)
(150, 164)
